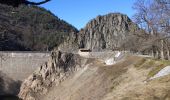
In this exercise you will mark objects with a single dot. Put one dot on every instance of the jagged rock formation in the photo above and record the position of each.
(52, 73)
(31, 28)
(70, 44)
(106, 32)
(67, 76)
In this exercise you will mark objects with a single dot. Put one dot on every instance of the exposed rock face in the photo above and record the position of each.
(56, 70)
(70, 44)
(106, 32)
(97, 81)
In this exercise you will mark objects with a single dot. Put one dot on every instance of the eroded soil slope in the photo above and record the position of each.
(128, 79)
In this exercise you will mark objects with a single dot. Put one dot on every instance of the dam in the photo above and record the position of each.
(19, 65)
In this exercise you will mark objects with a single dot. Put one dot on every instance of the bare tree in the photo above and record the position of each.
(154, 17)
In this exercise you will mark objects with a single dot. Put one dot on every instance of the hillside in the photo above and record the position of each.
(122, 81)
(31, 28)
(111, 71)
(70, 77)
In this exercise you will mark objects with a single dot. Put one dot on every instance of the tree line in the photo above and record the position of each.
(153, 17)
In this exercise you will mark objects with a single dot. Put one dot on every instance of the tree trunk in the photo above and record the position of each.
(162, 50)
(152, 53)
(168, 54)
(157, 54)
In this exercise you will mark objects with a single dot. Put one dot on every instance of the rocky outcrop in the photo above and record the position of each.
(70, 44)
(104, 32)
(52, 73)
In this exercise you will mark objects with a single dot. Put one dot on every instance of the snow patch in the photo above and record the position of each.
(118, 54)
(110, 61)
(163, 72)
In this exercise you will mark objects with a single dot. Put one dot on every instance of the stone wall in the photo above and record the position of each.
(19, 65)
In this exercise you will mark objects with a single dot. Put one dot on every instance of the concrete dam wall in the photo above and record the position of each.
(19, 65)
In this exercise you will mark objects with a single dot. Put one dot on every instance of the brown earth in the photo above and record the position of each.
(128, 79)
(122, 81)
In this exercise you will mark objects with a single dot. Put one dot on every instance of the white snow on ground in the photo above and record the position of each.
(110, 61)
(118, 54)
(163, 72)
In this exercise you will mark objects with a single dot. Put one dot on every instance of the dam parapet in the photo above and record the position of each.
(18, 65)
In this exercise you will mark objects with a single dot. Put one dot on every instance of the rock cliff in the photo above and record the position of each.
(104, 32)
(52, 73)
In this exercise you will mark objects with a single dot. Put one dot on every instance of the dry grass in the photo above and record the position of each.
(155, 70)
(140, 62)
(154, 64)
(157, 65)
(122, 81)
(131, 86)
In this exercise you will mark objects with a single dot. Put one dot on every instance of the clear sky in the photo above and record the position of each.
(79, 12)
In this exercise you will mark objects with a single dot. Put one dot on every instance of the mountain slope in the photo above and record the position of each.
(31, 28)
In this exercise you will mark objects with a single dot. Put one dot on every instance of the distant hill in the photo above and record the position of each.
(31, 28)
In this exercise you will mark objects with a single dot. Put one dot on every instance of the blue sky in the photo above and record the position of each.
(79, 12)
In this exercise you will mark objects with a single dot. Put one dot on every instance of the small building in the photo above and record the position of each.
(84, 52)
